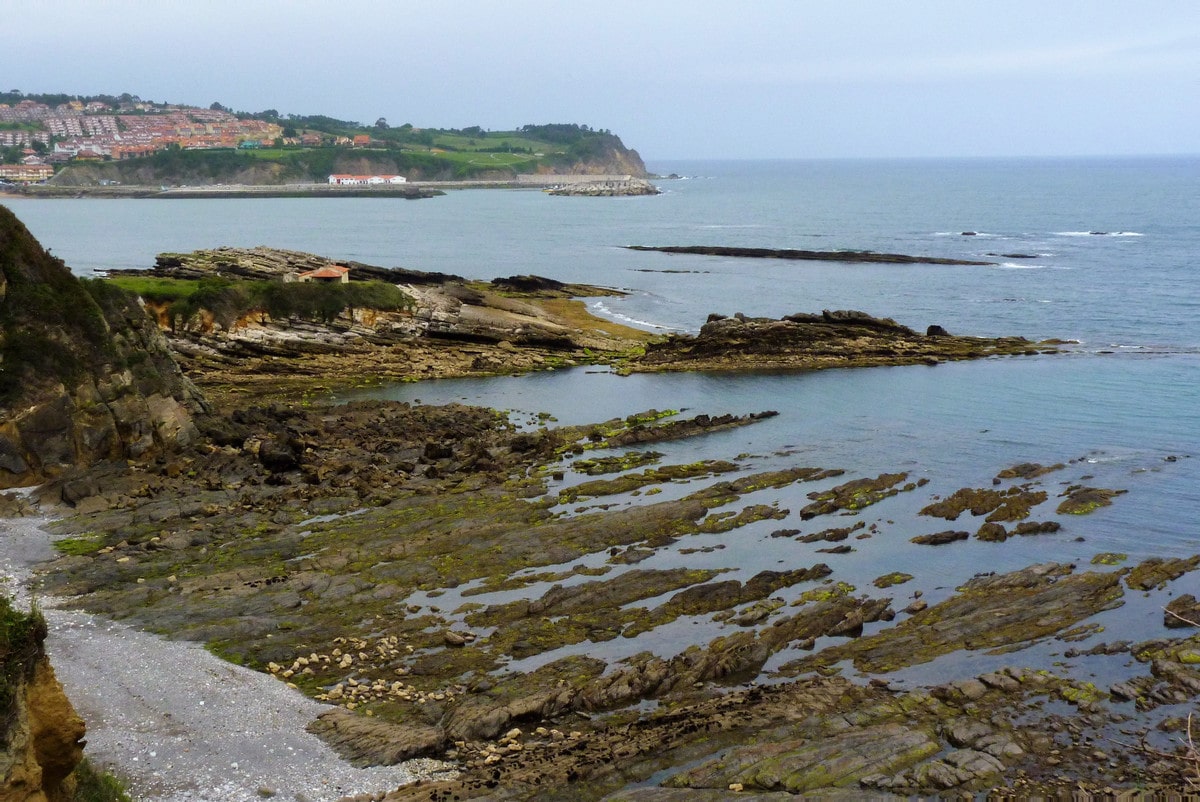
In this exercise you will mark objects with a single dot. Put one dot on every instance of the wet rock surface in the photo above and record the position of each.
(318, 544)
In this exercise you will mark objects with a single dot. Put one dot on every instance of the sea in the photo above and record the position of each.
(1104, 252)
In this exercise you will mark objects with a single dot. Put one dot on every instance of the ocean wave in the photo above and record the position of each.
(1028, 266)
(600, 308)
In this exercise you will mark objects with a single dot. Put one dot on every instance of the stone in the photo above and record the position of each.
(1182, 612)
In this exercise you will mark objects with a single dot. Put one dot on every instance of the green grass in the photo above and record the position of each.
(157, 289)
(21, 638)
(95, 785)
(476, 159)
(272, 154)
(80, 546)
(493, 139)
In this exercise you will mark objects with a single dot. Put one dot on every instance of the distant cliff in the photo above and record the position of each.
(85, 374)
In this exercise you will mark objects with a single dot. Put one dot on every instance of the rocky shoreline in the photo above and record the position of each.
(517, 324)
(318, 545)
(561, 611)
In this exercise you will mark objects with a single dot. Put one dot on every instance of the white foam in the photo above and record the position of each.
(1027, 266)
(599, 307)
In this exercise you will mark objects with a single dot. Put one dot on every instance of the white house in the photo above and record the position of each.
(360, 180)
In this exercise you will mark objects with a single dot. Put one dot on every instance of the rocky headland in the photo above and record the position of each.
(551, 608)
(451, 326)
(458, 327)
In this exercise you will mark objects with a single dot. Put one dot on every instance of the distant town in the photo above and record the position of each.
(78, 141)
(95, 131)
(75, 131)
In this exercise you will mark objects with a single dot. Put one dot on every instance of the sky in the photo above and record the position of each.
(675, 79)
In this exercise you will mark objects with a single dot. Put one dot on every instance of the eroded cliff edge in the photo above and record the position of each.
(41, 735)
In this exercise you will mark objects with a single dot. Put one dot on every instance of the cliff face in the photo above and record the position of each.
(44, 741)
(41, 735)
(85, 374)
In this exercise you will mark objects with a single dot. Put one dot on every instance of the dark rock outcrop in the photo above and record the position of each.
(85, 375)
(844, 338)
(809, 256)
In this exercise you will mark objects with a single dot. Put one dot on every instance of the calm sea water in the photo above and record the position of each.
(1102, 251)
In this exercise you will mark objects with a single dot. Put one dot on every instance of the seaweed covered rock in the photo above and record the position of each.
(85, 375)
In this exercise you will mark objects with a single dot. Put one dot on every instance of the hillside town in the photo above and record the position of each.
(46, 136)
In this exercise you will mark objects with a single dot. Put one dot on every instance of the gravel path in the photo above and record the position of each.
(177, 723)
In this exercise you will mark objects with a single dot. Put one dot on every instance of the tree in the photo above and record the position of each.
(289, 131)
(381, 123)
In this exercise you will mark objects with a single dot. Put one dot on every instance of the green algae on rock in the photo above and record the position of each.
(1082, 500)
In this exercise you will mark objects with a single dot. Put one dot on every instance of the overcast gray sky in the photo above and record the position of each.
(674, 78)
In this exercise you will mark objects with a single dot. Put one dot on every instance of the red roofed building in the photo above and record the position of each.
(330, 274)
(25, 173)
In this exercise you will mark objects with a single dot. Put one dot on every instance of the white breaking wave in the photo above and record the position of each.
(599, 307)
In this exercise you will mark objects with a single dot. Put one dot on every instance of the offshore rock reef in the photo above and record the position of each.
(444, 583)
(851, 257)
(810, 342)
